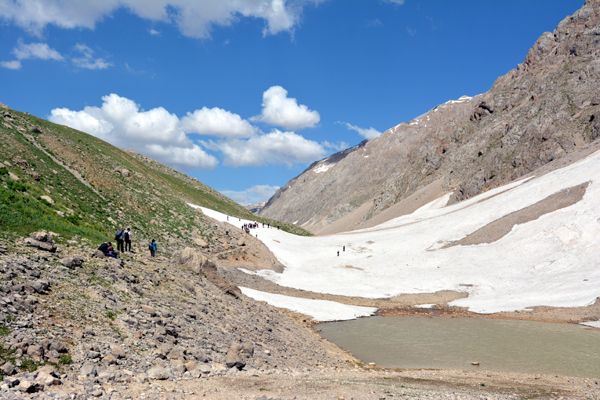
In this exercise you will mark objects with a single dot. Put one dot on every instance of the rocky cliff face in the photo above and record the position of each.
(546, 108)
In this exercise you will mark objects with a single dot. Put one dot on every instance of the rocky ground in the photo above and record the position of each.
(72, 323)
(75, 326)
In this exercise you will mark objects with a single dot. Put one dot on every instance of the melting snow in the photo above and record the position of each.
(319, 310)
(533, 265)
(593, 324)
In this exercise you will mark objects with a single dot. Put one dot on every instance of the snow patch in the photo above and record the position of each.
(593, 324)
(324, 167)
(319, 310)
(424, 306)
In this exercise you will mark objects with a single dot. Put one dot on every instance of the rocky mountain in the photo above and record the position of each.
(77, 324)
(544, 109)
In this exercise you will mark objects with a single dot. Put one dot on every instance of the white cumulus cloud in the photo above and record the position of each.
(252, 195)
(274, 148)
(280, 110)
(31, 51)
(86, 59)
(155, 132)
(218, 122)
(194, 18)
(367, 133)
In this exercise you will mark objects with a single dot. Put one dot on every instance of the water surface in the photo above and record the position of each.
(454, 343)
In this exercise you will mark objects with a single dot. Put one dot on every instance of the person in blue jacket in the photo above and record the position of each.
(153, 247)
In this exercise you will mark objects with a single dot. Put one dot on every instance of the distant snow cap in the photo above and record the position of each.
(322, 167)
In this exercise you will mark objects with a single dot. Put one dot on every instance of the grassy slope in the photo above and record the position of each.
(152, 199)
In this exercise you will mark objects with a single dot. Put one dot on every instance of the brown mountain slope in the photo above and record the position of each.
(547, 107)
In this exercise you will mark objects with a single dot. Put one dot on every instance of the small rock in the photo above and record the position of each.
(27, 386)
(8, 368)
(88, 370)
(117, 351)
(47, 199)
(159, 373)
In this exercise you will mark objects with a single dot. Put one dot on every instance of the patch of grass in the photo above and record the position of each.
(27, 364)
(65, 359)
(4, 330)
(16, 186)
(111, 314)
(98, 280)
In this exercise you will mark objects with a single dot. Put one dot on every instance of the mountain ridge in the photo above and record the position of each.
(540, 111)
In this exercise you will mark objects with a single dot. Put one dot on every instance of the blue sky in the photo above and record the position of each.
(244, 95)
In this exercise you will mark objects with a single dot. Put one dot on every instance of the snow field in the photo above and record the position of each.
(553, 261)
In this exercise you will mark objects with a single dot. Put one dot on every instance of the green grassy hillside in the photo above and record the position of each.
(56, 178)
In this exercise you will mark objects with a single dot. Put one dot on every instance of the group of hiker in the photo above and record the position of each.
(123, 238)
(253, 225)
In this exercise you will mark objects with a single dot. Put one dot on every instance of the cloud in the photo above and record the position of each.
(397, 2)
(86, 59)
(154, 32)
(283, 111)
(367, 133)
(194, 18)
(252, 195)
(31, 51)
(14, 64)
(28, 51)
(155, 132)
(218, 122)
(274, 148)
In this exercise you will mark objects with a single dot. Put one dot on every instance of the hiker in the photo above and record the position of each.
(344, 248)
(127, 239)
(153, 247)
(108, 250)
(338, 253)
(120, 240)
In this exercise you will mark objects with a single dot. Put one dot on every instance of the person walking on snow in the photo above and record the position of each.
(153, 247)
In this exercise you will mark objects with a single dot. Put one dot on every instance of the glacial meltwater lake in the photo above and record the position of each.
(454, 343)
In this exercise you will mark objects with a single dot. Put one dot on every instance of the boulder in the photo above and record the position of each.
(88, 370)
(47, 376)
(41, 236)
(117, 351)
(201, 242)
(40, 286)
(27, 386)
(73, 262)
(124, 172)
(238, 354)
(159, 373)
(47, 199)
(192, 259)
(41, 240)
(98, 254)
(8, 368)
